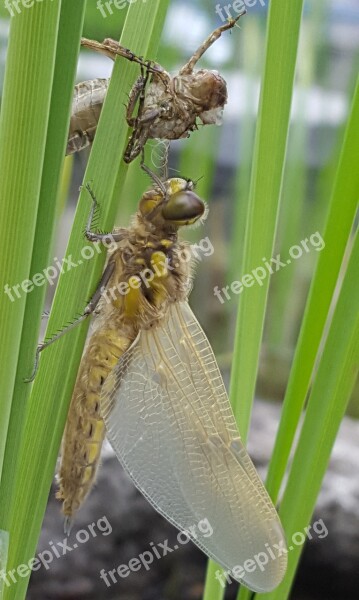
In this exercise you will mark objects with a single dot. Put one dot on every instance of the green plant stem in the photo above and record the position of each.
(27, 96)
(213, 590)
(266, 181)
(70, 27)
(54, 382)
(332, 387)
(264, 196)
(342, 210)
(264, 200)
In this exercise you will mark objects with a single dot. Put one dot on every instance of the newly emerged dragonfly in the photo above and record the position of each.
(149, 381)
(168, 106)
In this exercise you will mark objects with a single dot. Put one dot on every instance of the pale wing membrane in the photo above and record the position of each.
(170, 423)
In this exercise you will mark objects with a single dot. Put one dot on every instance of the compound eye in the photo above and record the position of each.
(183, 207)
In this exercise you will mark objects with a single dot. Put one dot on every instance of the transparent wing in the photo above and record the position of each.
(170, 423)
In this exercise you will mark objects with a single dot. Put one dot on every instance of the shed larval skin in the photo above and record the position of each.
(161, 106)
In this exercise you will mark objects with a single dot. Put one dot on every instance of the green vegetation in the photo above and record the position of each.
(296, 337)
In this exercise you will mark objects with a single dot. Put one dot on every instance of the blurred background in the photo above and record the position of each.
(220, 157)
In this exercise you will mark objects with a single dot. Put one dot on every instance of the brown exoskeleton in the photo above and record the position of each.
(149, 379)
(168, 106)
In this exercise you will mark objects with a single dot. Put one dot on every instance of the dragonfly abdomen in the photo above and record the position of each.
(85, 432)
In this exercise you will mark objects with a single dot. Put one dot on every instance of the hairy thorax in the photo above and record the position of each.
(151, 269)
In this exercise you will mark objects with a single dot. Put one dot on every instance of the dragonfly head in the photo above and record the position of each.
(177, 207)
(207, 91)
(214, 89)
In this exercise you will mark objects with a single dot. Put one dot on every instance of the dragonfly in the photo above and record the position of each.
(161, 105)
(149, 380)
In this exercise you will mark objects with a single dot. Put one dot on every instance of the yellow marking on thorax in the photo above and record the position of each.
(158, 262)
(166, 243)
(158, 283)
(132, 298)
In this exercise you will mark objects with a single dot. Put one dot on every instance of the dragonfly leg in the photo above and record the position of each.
(189, 66)
(111, 49)
(136, 143)
(141, 123)
(87, 312)
(153, 175)
(140, 134)
(92, 236)
(135, 93)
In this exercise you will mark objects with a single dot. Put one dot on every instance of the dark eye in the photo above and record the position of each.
(183, 206)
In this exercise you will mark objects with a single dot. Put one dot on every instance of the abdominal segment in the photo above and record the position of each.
(85, 431)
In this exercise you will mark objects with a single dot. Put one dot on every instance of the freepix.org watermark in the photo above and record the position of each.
(51, 273)
(194, 251)
(106, 6)
(15, 6)
(56, 550)
(160, 268)
(260, 560)
(158, 551)
(271, 266)
(233, 9)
